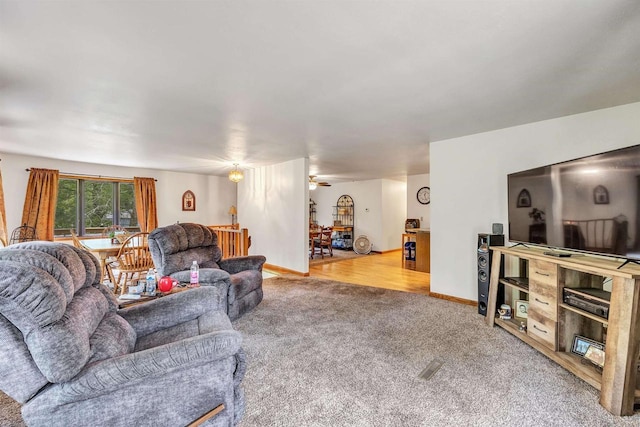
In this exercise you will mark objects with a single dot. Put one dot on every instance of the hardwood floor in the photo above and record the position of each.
(379, 270)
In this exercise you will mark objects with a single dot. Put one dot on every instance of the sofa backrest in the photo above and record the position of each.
(55, 317)
(175, 247)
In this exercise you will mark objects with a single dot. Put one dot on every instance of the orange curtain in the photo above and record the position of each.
(40, 202)
(3, 215)
(146, 206)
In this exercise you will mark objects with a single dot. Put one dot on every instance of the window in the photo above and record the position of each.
(89, 206)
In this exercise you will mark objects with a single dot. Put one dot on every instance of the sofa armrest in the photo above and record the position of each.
(171, 310)
(242, 263)
(133, 369)
(206, 275)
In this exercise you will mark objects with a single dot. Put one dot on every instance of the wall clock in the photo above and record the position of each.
(424, 195)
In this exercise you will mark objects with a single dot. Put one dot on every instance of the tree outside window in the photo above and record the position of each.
(66, 207)
(89, 206)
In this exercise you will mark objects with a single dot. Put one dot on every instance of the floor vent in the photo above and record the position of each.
(431, 369)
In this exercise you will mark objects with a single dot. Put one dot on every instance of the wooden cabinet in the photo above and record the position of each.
(542, 321)
(552, 325)
(423, 251)
(408, 251)
(417, 256)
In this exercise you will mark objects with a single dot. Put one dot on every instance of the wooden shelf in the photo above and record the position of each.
(569, 361)
(602, 266)
(574, 364)
(513, 325)
(343, 223)
(585, 313)
(514, 286)
(548, 277)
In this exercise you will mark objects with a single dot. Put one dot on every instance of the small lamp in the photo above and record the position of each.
(235, 175)
(233, 212)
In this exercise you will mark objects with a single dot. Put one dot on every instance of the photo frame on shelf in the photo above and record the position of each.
(581, 345)
(595, 355)
(524, 199)
(521, 309)
(188, 201)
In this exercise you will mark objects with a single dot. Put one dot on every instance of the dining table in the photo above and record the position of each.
(104, 248)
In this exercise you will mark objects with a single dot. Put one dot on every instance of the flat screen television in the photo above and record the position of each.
(590, 204)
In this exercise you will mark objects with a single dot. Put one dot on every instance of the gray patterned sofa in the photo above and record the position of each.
(71, 358)
(175, 247)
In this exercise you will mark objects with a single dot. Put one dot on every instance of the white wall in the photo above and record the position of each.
(214, 195)
(273, 202)
(469, 177)
(365, 195)
(380, 209)
(394, 213)
(416, 209)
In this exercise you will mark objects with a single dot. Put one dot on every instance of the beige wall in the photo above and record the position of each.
(469, 177)
(414, 208)
(380, 209)
(273, 204)
(214, 195)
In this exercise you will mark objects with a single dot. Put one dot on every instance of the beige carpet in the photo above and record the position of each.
(325, 353)
(9, 412)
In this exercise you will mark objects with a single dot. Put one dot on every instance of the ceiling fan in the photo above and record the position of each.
(313, 184)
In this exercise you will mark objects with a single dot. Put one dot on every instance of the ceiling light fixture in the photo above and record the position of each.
(235, 175)
(313, 184)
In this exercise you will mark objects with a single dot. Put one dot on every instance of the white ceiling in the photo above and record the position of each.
(359, 87)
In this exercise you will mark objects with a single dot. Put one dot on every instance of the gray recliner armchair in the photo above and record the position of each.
(70, 357)
(239, 279)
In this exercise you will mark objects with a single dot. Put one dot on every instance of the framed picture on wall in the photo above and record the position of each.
(188, 201)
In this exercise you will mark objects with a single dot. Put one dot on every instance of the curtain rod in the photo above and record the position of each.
(94, 176)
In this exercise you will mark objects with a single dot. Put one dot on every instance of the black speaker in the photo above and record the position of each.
(485, 241)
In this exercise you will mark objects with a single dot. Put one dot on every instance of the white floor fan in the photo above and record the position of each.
(362, 245)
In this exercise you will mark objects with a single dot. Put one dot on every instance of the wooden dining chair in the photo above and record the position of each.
(314, 235)
(324, 241)
(134, 260)
(76, 241)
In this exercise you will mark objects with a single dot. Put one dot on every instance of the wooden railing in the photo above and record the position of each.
(226, 226)
(232, 240)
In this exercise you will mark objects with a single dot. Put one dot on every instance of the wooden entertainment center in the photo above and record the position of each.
(421, 255)
(539, 280)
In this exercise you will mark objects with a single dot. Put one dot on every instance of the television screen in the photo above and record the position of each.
(591, 204)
